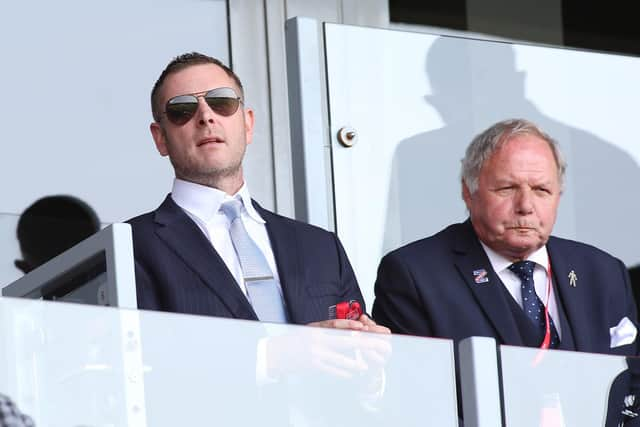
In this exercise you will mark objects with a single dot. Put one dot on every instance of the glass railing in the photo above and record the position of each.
(562, 388)
(69, 364)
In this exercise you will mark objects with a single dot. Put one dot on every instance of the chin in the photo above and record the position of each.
(527, 247)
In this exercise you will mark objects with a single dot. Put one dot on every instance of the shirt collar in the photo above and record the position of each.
(500, 263)
(204, 202)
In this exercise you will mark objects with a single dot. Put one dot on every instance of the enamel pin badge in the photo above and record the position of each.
(573, 279)
(480, 276)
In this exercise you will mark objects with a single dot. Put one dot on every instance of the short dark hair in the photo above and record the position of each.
(179, 63)
(53, 224)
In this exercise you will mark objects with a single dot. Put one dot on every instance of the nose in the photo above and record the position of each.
(205, 114)
(524, 202)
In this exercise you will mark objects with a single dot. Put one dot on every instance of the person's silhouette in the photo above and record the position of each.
(50, 226)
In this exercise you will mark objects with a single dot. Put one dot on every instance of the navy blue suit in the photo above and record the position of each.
(178, 270)
(428, 288)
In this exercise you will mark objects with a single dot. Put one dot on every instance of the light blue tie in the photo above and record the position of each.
(262, 290)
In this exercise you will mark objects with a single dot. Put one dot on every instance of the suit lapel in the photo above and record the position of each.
(573, 299)
(284, 244)
(185, 238)
(471, 260)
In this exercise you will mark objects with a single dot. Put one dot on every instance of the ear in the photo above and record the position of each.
(249, 121)
(159, 138)
(466, 195)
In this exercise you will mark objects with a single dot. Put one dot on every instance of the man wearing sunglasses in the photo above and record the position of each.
(210, 249)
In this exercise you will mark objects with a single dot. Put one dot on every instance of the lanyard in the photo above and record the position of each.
(546, 342)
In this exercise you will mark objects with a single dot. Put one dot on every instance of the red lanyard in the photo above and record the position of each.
(546, 342)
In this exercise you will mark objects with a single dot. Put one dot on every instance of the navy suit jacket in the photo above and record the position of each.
(178, 270)
(427, 288)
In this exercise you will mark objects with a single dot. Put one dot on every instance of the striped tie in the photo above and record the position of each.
(262, 290)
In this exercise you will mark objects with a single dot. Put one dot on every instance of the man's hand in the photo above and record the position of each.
(371, 326)
(319, 350)
(364, 323)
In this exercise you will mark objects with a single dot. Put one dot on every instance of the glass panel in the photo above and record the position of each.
(416, 101)
(98, 61)
(560, 388)
(68, 364)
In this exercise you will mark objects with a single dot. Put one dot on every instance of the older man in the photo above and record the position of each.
(209, 248)
(500, 274)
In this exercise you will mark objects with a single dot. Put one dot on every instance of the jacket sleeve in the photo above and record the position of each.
(398, 304)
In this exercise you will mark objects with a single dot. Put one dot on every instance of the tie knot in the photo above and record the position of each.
(231, 208)
(523, 269)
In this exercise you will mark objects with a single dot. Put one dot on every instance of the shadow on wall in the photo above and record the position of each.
(473, 86)
(52, 225)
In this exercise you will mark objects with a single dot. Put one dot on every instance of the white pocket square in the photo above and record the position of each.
(623, 333)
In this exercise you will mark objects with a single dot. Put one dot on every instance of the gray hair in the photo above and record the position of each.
(491, 140)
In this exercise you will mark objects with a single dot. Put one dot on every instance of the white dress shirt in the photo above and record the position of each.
(202, 204)
(513, 284)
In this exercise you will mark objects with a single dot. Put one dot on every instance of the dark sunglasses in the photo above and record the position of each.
(223, 101)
